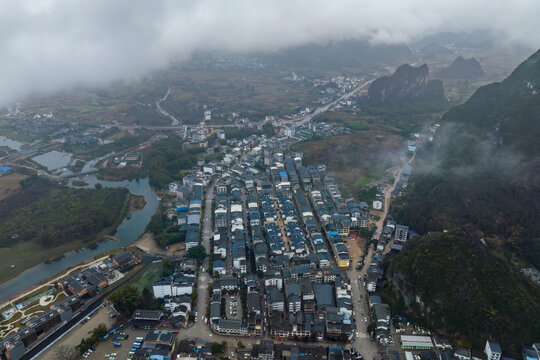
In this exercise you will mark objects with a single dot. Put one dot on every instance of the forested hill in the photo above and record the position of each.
(49, 215)
(483, 168)
(464, 289)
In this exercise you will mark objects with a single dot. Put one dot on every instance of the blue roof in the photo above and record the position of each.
(5, 169)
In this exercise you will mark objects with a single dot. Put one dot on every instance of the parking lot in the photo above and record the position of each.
(106, 347)
(233, 307)
(73, 337)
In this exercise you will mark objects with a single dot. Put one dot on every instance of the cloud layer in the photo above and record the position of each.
(49, 45)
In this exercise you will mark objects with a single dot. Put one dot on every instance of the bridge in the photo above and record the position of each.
(87, 172)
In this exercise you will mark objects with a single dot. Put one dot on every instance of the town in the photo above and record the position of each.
(290, 263)
(286, 262)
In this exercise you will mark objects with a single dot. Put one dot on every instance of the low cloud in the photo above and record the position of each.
(51, 45)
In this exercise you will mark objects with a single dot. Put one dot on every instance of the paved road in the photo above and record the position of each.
(322, 109)
(160, 110)
(200, 329)
(363, 343)
(34, 353)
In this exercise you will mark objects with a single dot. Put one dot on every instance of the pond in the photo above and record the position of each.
(53, 160)
(12, 144)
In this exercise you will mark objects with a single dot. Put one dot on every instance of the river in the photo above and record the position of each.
(128, 231)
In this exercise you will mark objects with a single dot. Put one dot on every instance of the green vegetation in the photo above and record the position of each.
(165, 231)
(69, 219)
(480, 174)
(165, 161)
(357, 159)
(375, 144)
(482, 169)
(468, 290)
(96, 335)
(145, 280)
(127, 300)
(198, 253)
(400, 118)
(63, 214)
(219, 348)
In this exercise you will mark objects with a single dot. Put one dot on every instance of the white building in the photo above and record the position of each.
(493, 350)
(162, 288)
(173, 187)
(377, 205)
(289, 132)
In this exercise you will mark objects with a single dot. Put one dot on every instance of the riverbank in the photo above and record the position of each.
(128, 230)
(148, 245)
(24, 255)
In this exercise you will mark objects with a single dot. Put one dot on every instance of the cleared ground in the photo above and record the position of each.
(356, 248)
(147, 244)
(9, 184)
(73, 338)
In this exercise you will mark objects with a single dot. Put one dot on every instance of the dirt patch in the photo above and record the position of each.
(74, 337)
(9, 184)
(147, 244)
(356, 248)
(136, 202)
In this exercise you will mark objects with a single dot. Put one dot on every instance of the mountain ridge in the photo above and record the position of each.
(481, 173)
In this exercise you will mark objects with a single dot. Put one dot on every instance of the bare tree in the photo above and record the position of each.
(64, 352)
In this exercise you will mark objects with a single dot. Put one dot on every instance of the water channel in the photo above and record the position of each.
(128, 231)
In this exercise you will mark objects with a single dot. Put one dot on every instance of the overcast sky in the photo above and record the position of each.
(49, 45)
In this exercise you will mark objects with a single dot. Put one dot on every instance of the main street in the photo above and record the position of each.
(360, 296)
(306, 119)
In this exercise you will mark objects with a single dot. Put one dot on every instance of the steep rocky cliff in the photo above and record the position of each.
(407, 83)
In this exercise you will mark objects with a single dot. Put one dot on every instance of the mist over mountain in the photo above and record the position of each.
(337, 54)
(480, 180)
(56, 45)
(432, 50)
(483, 167)
(462, 68)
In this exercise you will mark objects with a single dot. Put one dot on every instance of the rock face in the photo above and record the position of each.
(463, 69)
(407, 83)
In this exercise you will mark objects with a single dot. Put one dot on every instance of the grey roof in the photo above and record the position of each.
(215, 310)
(324, 294)
(495, 346)
(233, 324)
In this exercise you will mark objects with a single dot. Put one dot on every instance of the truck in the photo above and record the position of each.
(117, 344)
